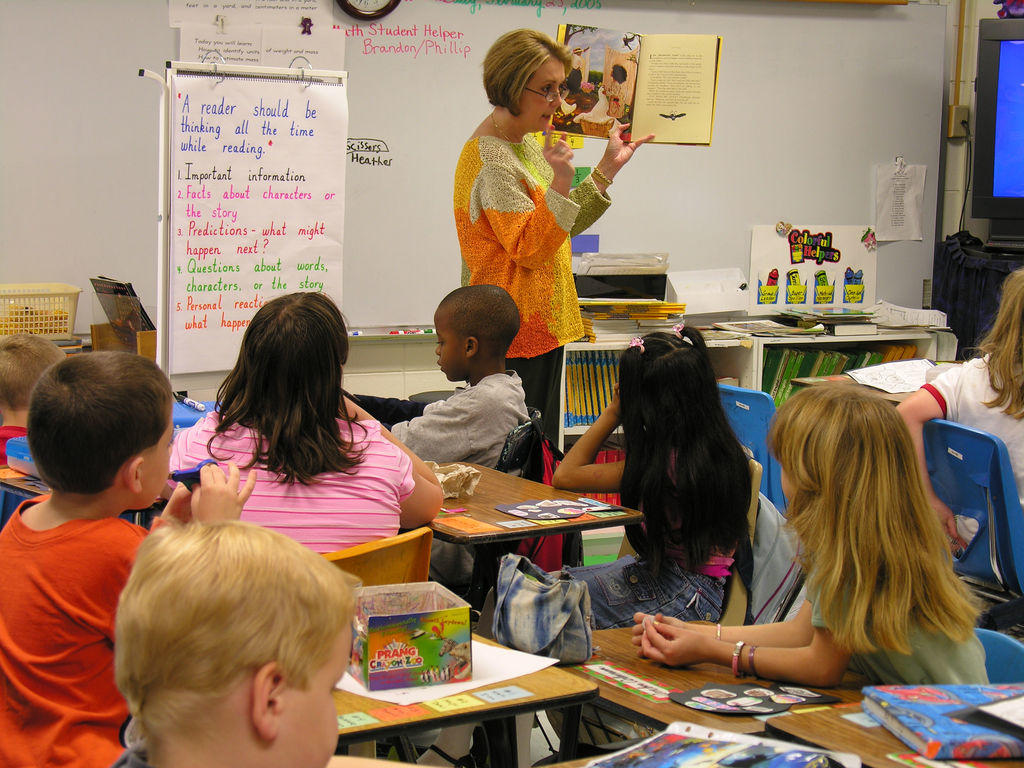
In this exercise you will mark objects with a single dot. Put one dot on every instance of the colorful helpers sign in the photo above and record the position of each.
(257, 186)
(811, 266)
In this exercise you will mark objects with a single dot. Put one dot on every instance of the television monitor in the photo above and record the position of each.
(999, 132)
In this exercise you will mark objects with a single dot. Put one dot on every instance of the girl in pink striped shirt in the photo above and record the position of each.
(328, 475)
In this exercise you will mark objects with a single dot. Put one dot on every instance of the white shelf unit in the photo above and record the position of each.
(743, 358)
(731, 357)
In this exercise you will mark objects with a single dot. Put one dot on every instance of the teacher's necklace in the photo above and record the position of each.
(498, 129)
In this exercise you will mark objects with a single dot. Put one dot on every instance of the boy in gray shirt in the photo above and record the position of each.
(475, 326)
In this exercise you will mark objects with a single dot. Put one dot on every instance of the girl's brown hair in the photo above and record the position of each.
(1004, 345)
(286, 388)
(873, 548)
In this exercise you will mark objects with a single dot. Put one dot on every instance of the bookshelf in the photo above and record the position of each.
(588, 364)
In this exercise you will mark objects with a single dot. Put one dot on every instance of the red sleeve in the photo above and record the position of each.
(938, 397)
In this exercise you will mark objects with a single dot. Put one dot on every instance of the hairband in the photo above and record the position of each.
(637, 342)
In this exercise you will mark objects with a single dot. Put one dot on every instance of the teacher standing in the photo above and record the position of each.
(515, 212)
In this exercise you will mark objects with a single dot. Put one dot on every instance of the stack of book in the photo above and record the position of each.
(838, 321)
(783, 364)
(590, 378)
(621, 320)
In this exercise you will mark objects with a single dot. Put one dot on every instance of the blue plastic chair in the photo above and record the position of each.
(970, 471)
(750, 413)
(1004, 656)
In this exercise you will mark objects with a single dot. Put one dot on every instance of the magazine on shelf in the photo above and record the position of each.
(769, 328)
(661, 84)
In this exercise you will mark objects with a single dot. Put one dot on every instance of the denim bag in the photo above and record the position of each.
(540, 613)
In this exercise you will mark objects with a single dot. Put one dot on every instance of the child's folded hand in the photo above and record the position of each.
(669, 644)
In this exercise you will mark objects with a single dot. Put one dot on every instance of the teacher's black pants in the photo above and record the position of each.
(542, 377)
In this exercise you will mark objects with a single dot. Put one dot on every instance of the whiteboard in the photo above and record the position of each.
(257, 193)
(811, 96)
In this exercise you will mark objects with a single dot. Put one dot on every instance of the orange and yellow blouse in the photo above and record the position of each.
(514, 232)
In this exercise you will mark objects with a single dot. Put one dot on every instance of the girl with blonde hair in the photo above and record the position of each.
(986, 393)
(882, 598)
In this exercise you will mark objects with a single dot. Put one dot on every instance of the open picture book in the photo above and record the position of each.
(661, 84)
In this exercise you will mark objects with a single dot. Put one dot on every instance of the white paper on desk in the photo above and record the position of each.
(491, 664)
(895, 378)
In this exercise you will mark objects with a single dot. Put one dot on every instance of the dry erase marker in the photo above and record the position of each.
(195, 405)
(190, 477)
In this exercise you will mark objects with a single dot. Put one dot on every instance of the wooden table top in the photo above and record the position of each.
(550, 688)
(613, 646)
(828, 728)
(500, 488)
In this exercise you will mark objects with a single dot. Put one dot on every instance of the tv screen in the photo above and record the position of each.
(999, 129)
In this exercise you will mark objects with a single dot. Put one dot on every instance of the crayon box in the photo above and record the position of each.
(406, 635)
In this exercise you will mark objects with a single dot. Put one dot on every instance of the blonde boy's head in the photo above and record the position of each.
(208, 604)
(23, 358)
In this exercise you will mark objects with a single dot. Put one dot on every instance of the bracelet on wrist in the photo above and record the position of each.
(596, 173)
(750, 661)
(718, 631)
(736, 658)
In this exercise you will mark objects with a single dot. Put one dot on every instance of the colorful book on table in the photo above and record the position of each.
(925, 718)
(687, 745)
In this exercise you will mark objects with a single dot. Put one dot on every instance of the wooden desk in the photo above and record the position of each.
(828, 728)
(499, 488)
(551, 688)
(613, 646)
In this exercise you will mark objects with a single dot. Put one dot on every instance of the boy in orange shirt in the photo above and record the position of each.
(100, 433)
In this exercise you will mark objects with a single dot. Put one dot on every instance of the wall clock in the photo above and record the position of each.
(368, 9)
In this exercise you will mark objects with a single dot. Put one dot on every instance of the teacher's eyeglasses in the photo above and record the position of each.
(550, 92)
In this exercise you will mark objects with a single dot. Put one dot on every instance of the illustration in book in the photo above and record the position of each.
(660, 84)
(671, 750)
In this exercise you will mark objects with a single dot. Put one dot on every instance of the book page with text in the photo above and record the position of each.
(675, 91)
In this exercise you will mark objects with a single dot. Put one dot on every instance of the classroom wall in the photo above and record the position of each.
(101, 187)
(956, 179)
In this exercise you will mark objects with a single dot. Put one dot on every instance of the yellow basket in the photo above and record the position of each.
(46, 309)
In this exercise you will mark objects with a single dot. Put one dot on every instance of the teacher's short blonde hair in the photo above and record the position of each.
(207, 604)
(511, 62)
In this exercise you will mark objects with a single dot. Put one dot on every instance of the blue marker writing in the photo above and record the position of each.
(190, 477)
